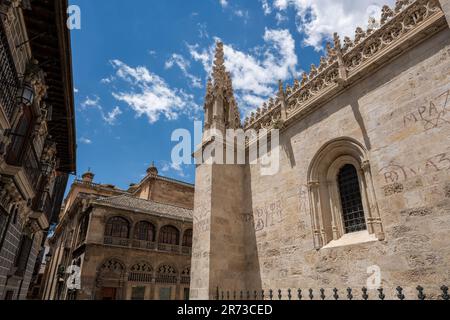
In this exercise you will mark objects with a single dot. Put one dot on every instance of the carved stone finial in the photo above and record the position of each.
(359, 35)
(386, 14)
(219, 74)
(313, 71)
(348, 43)
(304, 78)
(337, 41)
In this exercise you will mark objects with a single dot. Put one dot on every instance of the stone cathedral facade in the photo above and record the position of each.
(364, 178)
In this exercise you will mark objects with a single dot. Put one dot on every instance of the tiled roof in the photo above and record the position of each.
(136, 204)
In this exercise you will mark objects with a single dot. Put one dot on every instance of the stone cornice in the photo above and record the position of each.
(400, 29)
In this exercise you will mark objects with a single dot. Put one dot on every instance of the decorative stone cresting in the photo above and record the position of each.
(346, 60)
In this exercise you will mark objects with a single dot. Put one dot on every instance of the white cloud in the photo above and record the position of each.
(266, 7)
(202, 31)
(319, 19)
(184, 65)
(84, 140)
(149, 95)
(75, 90)
(91, 103)
(255, 76)
(223, 3)
(111, 117)
(94, 103)
(178, 169)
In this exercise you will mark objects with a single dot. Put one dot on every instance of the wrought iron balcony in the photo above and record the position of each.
(9, 80)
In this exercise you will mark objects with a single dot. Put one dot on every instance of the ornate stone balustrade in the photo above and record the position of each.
(398, 29)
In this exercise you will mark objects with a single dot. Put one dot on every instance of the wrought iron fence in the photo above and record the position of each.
(334, 294)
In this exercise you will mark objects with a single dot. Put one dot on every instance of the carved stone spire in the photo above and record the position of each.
(221, 110)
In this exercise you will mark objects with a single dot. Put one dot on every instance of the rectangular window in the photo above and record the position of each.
(138, 293)
(165, 293)
(186, 293)
(23, 255)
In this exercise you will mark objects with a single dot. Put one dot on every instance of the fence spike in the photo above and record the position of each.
(365, 295)
(234, 295)
(311, 296)
(382, 296)
(271, 294)
(421, 295)
(299, 292)
(279, 294)
(248, 295)
(228, 295)
(335, 295)
(400, 294)
(349, 294)
(289, 294)
(445, 295)
(322, 294)
(262, 295)
(242, 295)
(217, 294)
(223, 296)
(256, 295)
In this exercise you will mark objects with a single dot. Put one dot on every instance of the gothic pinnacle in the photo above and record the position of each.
(219, 66)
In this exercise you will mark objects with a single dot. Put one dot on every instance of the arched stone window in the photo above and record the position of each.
(144, 231)
(166, 274)
(110, 280)
(117, 227)
(187, 238)
(169, 235)
(341, 193)
(351, 201)
(141, 272)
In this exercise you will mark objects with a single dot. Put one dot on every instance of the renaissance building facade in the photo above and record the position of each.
(364, 170)
(116, 244)
(37, 133)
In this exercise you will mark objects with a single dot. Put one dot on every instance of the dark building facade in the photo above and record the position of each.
(37, 133)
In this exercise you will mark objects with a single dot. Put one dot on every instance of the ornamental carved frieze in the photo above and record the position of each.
(347, 58)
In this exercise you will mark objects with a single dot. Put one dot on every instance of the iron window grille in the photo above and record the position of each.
(9, 80)
(352, 207)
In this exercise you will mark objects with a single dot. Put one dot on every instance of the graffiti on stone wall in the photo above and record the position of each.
(432, 115)
(303, 200)
(392, 189)
(395, 174)
(268, 216)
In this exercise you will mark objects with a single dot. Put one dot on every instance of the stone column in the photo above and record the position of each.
(219, 253)
(445, 4)
(315, 212)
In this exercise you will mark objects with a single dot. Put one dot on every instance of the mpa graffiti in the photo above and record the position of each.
(432, 115)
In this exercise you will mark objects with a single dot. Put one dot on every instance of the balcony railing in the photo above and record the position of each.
(146, 245)
(117, 241)
(185, 280)
(9, 81)
(168, 247)
(186, 250)
(164, 278)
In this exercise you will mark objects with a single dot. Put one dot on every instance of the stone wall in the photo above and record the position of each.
(401, 115)
(445, 4)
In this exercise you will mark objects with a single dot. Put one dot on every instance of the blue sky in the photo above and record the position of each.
(140, 69)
